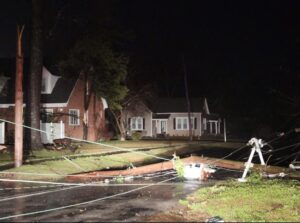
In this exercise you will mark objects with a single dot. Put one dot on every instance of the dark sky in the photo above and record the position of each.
(240, 54)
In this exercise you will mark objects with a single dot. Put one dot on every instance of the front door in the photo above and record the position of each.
(163, 126)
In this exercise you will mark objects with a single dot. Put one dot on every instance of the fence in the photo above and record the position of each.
(54, 131)
(2, 132)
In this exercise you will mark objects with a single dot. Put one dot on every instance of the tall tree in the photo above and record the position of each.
(35, 74)
(103, 69)
(135, 96)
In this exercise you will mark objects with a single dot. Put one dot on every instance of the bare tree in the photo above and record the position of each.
(19, 100)
(187, 100)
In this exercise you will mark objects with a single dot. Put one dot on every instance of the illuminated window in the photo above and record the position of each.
(74, 117)
(136, 123)
(182, 123)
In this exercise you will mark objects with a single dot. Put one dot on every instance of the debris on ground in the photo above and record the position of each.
(215, 219)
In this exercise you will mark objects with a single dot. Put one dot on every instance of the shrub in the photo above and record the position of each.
(136, 135)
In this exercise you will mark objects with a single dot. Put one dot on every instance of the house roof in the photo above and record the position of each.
(60, 94)
(160, 116)
(173, 105)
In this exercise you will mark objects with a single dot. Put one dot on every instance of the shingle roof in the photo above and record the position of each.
(60, 94)
(171, 105)
(160, 116)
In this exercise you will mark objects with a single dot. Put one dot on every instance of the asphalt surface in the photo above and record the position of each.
(126, 201)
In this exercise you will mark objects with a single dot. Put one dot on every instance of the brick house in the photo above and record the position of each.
(62, 106)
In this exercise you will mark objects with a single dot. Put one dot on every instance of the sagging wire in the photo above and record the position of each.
(74, 187)
(268, 143)
(70, 184)
(86, 202)
(38, 193)
(286, 158)
(31, 187)
(222, 168)
(88, 141)
(222, 158)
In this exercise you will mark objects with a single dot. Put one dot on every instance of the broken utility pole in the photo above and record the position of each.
(19, 100)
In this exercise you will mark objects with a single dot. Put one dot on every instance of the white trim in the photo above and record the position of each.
(151, 113)
(200, 124)
(43, 105)
(206, 106)
(187, 120)
(104, 102)
(137, 118)
(54, 105)
(49, 81)
(70, 117)
(47, 105)
(2, 132)
(7, 105)
(166, 129)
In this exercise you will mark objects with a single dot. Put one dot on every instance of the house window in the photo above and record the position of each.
(136, 123)
(74, 117)
(182, 123)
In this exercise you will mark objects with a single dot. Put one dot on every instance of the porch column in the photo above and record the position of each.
(200, 125)
(210, 127)
(216, 126)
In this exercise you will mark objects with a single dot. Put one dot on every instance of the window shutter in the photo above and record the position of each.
(144, 123)
(195, 123)
(174, 123)
(129, 124)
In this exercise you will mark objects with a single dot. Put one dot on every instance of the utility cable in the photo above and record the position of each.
(88, 141)
(84, 203)
(38, 193)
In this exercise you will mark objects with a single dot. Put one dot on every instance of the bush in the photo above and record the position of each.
(136, 135)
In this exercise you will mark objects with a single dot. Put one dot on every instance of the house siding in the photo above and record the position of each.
(96, 115)
(173, 132)
(97, 128)
(140, 110)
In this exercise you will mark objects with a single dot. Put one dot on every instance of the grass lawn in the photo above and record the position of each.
(255, 201)
(53, 165)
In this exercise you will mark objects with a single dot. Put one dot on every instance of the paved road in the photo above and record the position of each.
(133, 206)
(124, 207)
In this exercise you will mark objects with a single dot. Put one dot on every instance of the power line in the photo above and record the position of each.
(88, 141)
(86, 202)
(37, 194)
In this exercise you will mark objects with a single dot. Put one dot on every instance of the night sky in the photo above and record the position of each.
(242, 55)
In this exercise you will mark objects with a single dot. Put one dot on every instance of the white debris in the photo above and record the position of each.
(197, 171)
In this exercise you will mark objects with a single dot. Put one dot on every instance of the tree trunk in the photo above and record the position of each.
(120, 125)
(187, 100)
(35, 74)
(86, 103)
(19, 101)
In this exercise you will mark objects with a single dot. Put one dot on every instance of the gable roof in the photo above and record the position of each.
(174, 105)
(60, 94)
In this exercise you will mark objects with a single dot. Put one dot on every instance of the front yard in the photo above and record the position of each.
(255, 201)
(49, 164)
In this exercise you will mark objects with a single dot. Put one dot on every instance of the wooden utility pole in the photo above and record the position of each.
(187, 100)
(19, 100)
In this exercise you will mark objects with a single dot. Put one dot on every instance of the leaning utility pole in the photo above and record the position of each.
(19, 100)
(187, 100)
